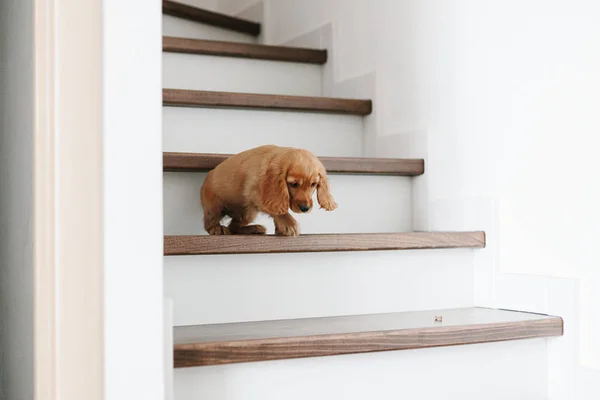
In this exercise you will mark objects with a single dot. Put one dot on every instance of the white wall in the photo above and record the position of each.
(502, 100)
(132, 120)
(133, 201)
(503, 94)
(16, 199)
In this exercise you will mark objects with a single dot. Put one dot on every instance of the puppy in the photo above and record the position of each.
(268, 179)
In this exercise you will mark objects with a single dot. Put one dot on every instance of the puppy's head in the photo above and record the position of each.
(291, 182)
(306, 175)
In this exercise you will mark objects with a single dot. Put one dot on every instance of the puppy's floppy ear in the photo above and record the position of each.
(323, 194)
(274, 194)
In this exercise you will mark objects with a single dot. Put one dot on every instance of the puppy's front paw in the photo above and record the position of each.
(287, 230)
(286, 225)
(252, 230)
(219, 230)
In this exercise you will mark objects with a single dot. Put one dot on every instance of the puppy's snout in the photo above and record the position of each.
(304, 207)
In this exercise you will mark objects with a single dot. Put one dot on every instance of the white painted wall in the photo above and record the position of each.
(16, 199)
(132, 120)
(501, 98)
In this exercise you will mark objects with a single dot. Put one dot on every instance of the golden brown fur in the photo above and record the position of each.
(267, 179)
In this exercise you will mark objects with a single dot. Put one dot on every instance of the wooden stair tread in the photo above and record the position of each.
(316, 337)
(202, 98)
(202, 162)
(243, 50)
(175, 245)
(180, 10)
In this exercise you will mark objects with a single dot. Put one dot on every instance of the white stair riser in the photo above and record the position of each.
(228, 74)
(497, 371)
(234, 288)
(365, 204)
(208, 130)
(179, 27)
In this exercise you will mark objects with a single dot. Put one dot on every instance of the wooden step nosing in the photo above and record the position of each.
(243, 50)
(180, 245)
(202, 98)
(201, 162)
(185, 11)
(239, 351)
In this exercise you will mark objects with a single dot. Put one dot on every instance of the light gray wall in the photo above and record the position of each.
(16, 199)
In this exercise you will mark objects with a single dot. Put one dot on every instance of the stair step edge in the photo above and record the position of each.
(205, 345)
(202, 162)
(179, 245)
(196, 14)
(243, 50)
(202, 98)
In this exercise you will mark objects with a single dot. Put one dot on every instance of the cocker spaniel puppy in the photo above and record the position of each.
(268, 179)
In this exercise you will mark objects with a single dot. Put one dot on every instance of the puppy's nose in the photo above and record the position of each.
(304, 207)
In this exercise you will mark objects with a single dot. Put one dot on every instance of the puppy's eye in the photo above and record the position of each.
(294, 184)
(313, 184)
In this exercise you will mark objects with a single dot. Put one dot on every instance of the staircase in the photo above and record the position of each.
(258, 317)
